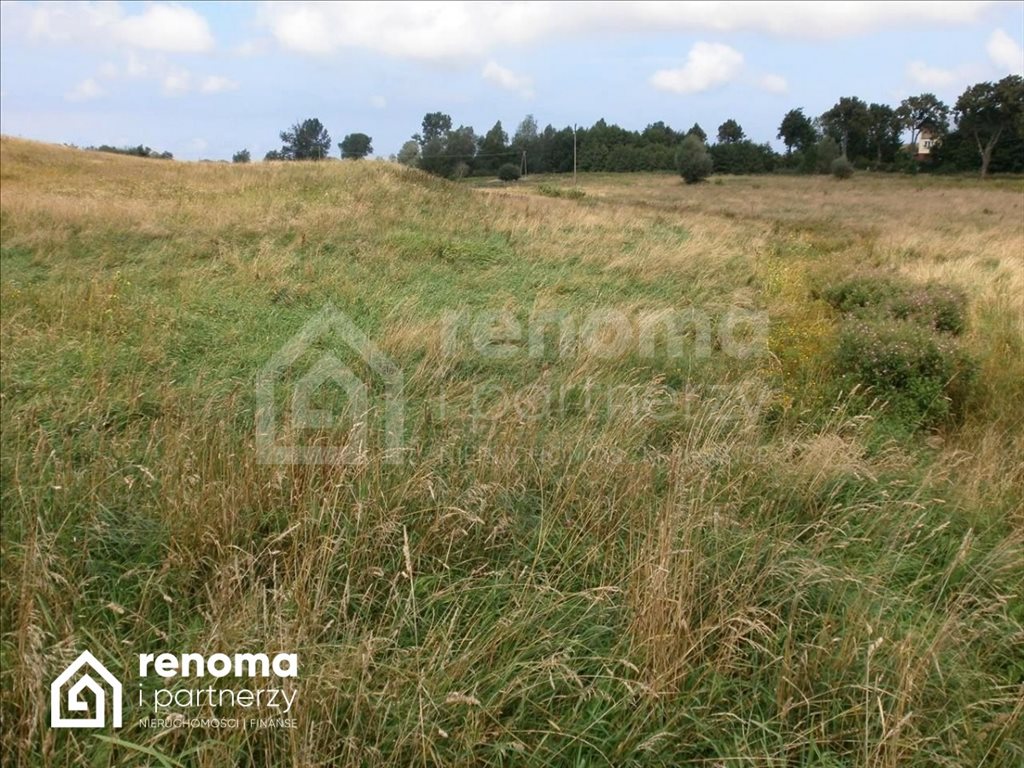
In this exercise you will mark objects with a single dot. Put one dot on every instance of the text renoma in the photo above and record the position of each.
(220, 665)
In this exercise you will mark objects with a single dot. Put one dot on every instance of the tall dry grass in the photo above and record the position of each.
(542, 580)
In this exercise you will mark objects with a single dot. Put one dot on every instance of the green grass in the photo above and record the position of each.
(766, 573)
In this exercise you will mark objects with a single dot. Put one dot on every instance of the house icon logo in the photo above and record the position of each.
(291, 429)
(89, 665)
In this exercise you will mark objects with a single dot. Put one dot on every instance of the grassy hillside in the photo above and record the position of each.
(594, 553)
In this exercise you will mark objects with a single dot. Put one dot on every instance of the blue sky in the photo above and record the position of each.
(206, 79)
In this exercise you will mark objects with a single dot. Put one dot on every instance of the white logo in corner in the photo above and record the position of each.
(75, 700)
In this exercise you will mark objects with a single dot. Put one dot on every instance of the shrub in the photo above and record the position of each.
(550, 190)
(825, 152)
(508, 172)
(937, 306)
(925, 379)
(242, 156)
(858, 293)
(693, 160)
(841, 168)
(933, 306)
(906, 162)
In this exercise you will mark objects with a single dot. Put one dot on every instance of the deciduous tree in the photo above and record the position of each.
(409, 153)
(883, 132)
(847, 123)
(693, 159)
(797, 131)
(988, 111)
(730, 132)
(307, 140)
(924, 111)
(356, 146)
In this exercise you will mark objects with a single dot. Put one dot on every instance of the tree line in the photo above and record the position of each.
(982, 131)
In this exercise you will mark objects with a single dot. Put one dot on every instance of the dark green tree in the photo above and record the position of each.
(825, 153)
(847, 123)
(987, 111)
(883, 132)
(409, 154)
(526, 139)
(508, 172)
(693, 159)
(797, 131)
(659, 133)
(924, 111)
(356, 146)
(730, 132)
(460, 147)
(307, 140)
(697, 131)
(493, 149)
(742, 157)
(436, 125)
(241, 156)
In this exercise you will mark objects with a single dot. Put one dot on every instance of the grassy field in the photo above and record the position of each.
(585, 551)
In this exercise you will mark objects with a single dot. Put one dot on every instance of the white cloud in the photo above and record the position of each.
(251, 47)
(173, 80)
(217, 84)
(87, 90)
(931, 77)
(773, 83)
(707, 65)
(434, 31)
(136, 67)
(166, 27)
(507, 79)
(1005, 52)
(176, 82)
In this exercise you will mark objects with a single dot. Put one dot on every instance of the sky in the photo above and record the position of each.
(203, 80)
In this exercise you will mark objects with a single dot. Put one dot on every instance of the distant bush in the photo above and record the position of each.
(906, 162)
(824, 152)
(693, 159)
(936, 307)
(841, 168)
(242, 156)
(858, 293)
(508, 172)
(139, 151)
(924, 378)
(550, 190)
(742, 157)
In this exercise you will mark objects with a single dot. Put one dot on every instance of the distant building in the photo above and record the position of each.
(927, 140)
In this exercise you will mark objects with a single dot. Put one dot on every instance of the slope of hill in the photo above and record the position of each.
(592, 537)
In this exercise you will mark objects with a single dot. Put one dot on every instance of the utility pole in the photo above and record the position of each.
(574, 154)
